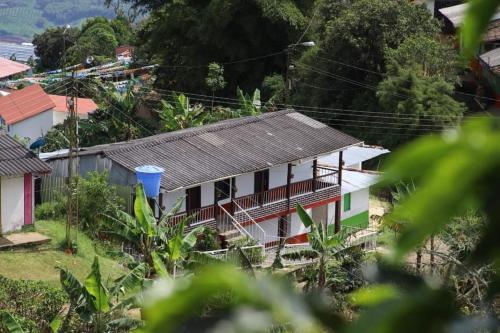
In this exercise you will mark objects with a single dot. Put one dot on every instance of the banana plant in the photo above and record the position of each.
(323, 240)
(249, 106)
(181, 114)
(155, 239)
(9, 323)
(92, 301)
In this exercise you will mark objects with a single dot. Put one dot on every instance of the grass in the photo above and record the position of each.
(40, 263)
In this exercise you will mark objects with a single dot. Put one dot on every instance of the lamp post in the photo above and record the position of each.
(289, 66)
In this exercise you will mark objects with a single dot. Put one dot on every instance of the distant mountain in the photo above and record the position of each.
(20, 19)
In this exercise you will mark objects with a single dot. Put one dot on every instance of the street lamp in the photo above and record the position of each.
(289, 66)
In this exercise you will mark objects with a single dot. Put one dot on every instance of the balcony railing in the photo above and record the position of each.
(325, 178)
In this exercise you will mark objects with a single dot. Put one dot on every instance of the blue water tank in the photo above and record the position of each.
(150, 177)
(38, 143)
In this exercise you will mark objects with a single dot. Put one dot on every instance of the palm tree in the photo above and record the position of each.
(323, 240)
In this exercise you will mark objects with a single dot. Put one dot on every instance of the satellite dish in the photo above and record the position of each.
(38, 143)
(89, 60)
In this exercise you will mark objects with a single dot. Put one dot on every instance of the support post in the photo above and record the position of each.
(231, 190)
(339, 202)
(315, 174)
(283, 224)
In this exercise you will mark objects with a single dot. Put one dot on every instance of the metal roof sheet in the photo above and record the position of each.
(355, 180)
(353, 155)
(22, 52)
(228, 148)
(491, 58)
(456, 14)
(17, 160)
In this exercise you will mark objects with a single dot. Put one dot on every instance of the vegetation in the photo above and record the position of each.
(23, 18)
(39, 264)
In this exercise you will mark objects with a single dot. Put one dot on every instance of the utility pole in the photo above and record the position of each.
(289, 67)
(73, 162)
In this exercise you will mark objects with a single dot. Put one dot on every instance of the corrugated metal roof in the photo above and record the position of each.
(21, 52)
(491, 58)
(353, 155)
(355, 180)
(228, 148)
(17, 160)
(456, 14)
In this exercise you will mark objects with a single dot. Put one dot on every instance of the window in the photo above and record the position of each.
(222, 189)
(347, 202)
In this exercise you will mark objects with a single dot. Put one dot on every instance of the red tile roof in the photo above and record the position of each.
(9, 67)
(124, 49)
(84, 105)
(24, 103)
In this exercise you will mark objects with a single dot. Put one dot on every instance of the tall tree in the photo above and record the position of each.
(183, 37)
(50, 45)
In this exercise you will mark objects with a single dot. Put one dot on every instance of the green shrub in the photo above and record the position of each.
(207, 240)
(49, 211)
(33, 303)
(97, 199)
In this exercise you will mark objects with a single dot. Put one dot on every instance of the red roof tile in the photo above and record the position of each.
(9, 67)
(24, 103)
(84, 105)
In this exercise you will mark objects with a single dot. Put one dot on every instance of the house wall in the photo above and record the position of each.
(33, 127)
(207, 194)
(277, 176)
(12, 203)
(296, 227)
(270, 228)
(170, 198)
(358, 215)
(60, 116)
(245, 185)
(302, 171)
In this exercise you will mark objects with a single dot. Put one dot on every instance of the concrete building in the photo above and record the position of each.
(18, 166)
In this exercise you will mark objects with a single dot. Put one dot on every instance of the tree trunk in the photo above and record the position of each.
(432, 255)
(419, 259)
(321, 274)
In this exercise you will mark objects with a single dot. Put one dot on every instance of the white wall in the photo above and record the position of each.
(277, 176)
(207, 194)
(359, 203)
(12, 205)
(302, 171)
(170, 198)
(296, 226)
(60, 116)
(244, 185)
(33, 127)
(270, 228)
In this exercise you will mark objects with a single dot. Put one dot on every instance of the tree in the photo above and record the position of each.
(419, 104)
(215, 79)
(183, 37)
(49, 45)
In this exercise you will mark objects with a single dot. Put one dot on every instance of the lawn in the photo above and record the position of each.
(40, 263)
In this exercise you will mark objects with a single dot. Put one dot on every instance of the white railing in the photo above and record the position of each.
(255, 254)
(256, 231)
(227, 222)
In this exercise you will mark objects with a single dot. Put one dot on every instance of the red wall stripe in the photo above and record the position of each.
(28, 199)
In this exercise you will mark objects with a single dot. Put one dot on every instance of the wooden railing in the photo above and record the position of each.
(195, 215)
(325, 178)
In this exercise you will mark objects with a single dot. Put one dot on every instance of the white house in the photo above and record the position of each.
(242, 176)
(17, 169)
(356, 183)
(30, 112)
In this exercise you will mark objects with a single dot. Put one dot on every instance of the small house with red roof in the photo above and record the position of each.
(30, 112)
(9, 69)
(124, 53)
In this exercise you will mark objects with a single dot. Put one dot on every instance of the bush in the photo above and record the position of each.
(97, 200)
(33, 303)
(207, 240)
(49, 211)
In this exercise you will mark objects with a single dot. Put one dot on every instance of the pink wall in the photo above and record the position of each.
(28, 198)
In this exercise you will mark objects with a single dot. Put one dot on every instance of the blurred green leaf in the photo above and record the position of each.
(477, 19)
(374, 295)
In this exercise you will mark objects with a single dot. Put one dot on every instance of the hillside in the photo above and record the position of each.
(20, 19)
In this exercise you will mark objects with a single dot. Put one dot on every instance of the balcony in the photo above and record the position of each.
(272, 202)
